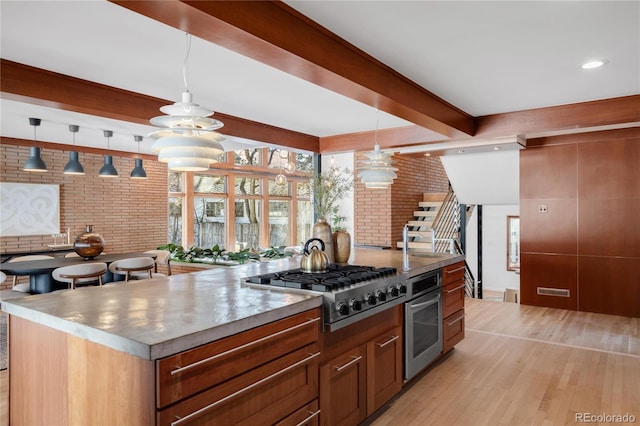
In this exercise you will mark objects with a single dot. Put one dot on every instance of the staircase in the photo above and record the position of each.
(420, 227)
(436, 228)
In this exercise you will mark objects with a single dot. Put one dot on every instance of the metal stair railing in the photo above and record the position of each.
(445, 233)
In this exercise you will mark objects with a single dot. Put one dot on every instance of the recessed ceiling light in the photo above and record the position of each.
(460, 151)
(496, 148)
(596, 63)
(427, 154)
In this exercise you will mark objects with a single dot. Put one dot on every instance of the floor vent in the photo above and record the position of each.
(545, 291)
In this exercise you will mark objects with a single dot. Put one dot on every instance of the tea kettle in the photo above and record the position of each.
(314, 259)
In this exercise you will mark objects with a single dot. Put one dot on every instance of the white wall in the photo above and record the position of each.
(346, 209)
(494, 247)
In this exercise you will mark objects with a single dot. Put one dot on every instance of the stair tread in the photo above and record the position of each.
(426, 223)
(435, 204)
(424, 213)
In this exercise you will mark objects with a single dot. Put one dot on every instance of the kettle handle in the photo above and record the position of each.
(306, 245)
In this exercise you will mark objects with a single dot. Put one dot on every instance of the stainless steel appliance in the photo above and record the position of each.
(350, 292)
(422, 322)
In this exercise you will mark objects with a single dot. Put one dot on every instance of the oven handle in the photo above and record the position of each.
(427, 303)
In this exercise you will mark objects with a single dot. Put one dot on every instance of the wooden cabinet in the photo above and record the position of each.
(343, 388)
(384, 368)
(452, 305)
(356, 382)
(269, 372)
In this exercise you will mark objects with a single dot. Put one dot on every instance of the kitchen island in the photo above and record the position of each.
(98, 355)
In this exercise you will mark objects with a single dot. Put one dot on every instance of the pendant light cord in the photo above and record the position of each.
(186, 63)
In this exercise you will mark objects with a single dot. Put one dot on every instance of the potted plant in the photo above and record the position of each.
(328, 189)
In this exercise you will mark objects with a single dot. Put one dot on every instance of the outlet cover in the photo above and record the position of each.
(543, 208)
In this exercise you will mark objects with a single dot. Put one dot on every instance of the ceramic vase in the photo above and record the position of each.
(89, 244)
(322, 230)
(341, 246)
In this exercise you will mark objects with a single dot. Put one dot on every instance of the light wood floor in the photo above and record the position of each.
(519, 365)
(523, 365)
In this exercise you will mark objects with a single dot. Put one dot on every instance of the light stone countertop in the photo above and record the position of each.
(156, 318)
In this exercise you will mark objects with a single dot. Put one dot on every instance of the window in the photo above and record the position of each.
(237, 204)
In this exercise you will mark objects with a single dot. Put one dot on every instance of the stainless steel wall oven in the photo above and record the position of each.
(423, 322)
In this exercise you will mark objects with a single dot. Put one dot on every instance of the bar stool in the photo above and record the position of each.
(139, 268)
(24, 287)
(162, 258)
(80, 274)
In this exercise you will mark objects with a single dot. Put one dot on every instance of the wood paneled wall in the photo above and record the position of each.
(589, 239)
(130, 214)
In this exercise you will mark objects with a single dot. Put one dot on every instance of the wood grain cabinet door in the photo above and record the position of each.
(384, 368)
(343, 388)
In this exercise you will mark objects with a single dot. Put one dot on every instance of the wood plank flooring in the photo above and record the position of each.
(519, 365)
(523, 365)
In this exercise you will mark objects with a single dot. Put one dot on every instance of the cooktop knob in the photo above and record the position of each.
(402, 288)
(356, 305)
(381, 295)
(370, 298)
(393, 291)
(343, 309)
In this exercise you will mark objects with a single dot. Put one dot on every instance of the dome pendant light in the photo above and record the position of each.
(107, 169)
(377, 171)
(73, 167)
(138, 171)
(34, 163)
(187, 140)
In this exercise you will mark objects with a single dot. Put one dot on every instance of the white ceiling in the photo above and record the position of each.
(482, 57)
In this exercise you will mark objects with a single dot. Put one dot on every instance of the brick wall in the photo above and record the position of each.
(380, 214)
(130, 214)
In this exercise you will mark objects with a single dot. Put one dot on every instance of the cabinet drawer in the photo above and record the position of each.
(452, 273)
(309, 415)
(180, 376)
(452, 298)
(453, 330)
(263, 395)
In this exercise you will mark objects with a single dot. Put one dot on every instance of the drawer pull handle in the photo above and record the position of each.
(456, 320)
(246, 345)
(455, 289)
(455, 270)
(243, 390)
(353, 361)
(313, 414)
(392, 339)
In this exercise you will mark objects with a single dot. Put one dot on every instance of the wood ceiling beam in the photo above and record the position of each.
(36, 86)
(604, 112)
(275, 34)
(585, 115)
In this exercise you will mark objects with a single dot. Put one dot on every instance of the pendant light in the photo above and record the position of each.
(107, 169)
(73, 167)
(187, 140)
(377, 171)
(34, 163)
(138, 171)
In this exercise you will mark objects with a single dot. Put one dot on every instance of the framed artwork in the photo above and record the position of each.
(513, 243)
(29, 209)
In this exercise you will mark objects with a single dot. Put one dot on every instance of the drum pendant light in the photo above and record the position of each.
(138, 171)
(187, 140)
(34, 163)
(73, 167)
(108, 169)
